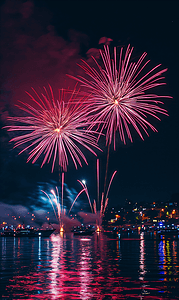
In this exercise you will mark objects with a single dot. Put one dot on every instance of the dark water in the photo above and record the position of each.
(87, 268)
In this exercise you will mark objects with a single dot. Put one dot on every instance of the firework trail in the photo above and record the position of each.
(56, 200)
(58, 208)
(83, 184)
(54, 129)
(119, 94)
(57, 204)
(75, 200)
(97, 208)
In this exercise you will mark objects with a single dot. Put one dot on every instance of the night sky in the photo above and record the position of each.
(42, 41)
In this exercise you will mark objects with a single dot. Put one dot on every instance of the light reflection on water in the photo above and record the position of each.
(95, 267)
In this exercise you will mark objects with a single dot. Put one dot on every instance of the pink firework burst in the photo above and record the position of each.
(119, 94)
(54, 129)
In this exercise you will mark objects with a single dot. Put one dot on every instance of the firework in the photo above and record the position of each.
(54, 129)
(119, 94)
(99, 207)
(60, 210)
(58, 207)
(83, 190)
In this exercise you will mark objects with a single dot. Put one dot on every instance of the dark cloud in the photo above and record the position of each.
(32, 55)
(104, 40)
(32, 52)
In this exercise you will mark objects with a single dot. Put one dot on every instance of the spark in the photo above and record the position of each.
(54, 129)
(102, 205)
(58, 207)
(119, 94)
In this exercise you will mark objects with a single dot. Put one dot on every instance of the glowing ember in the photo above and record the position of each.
(61, 229)
(57, 130)
(98, 229)
(116, 102)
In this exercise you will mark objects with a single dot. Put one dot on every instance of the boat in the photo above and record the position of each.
(83, 231)
(8, 232)
(168, 231)
(26, 232)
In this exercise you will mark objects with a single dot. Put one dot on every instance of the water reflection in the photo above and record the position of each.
(162, 255)
(69, 267)
(142, 257)
(85, 268)
(39, 250)
(55, 266)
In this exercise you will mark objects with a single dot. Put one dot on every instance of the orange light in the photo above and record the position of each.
(61, 229)
(57, 130)
(98, 229)
(116, 102)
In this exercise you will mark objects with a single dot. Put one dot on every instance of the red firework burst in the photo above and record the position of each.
(118, 94)
(54, 129)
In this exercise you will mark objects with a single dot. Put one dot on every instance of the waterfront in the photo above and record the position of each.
(95, 267)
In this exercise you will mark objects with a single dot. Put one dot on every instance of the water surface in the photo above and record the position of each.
(95, 267)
